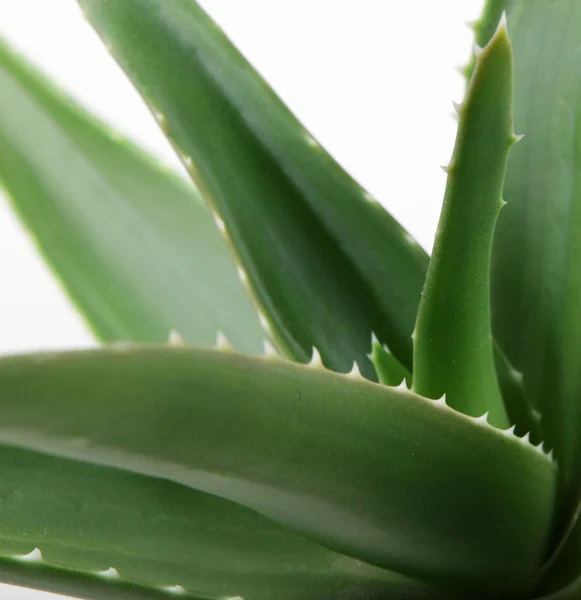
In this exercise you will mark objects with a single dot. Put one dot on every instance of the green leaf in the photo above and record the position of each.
(519, 410)
(133, 244)
(85, 519)
(453, 348)
(536, 279)
(327, 264)
(364, 469)
(484, 29)
(389, 370)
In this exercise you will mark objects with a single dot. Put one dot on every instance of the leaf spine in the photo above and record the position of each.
(441, 401)
(457, 107)
(354, 373)
(33, 556)
(269, 350)
(263, 322)
(222, 342)
(402, 386)
(174, 589)
(311, 141)
(370, 198)
(110, 573)
(242, 275)
(483, 418)
(315, 359)
(175, 339)
(160, 118)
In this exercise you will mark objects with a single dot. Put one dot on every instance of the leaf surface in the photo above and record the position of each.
(536, 279)
(361, 468)
(453, 347)
(86, 519)
(132, 243)
(327, 264)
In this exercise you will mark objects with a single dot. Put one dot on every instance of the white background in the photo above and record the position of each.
(373, 80)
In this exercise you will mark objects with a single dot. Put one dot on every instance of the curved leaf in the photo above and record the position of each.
(157, 535)
(453, 348)
(359, 467)
(327, 264)
(134, 245)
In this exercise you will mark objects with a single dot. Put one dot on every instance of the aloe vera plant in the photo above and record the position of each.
(292, 399)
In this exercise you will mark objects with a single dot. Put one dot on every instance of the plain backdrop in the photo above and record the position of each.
(373, 80)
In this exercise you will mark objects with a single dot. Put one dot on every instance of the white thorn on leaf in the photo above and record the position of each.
(222, 342)
(315, 359)
(242, 275)
(174, 589)
(263, 322)
(174, 338)
(509, 431)
(457, 107)
(402, 386)
(220, 223)
(370, 198)
(483, 418)
(110, 573)
(527, 438)
(354, 373)
(445, 168)
(311, 141)
(186, 160)
(269, 349)
(160, 118)
(34, 556)
(477, 50)
(441, 401)
(516, 138)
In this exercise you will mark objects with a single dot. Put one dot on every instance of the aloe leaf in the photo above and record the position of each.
(133, 244)
(158, 536)
(484, 29)
(519, 409)
(364, 469)
(327, 264)
(453, 348)
(389, 370)
(536, 280)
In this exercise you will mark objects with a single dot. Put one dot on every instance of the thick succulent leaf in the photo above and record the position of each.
(326, 263)
(86, 519)
(133, 244)
(389, 370)
(536, 279)
(364, 469)
(521, 413)
(453, 348)
(484, 29)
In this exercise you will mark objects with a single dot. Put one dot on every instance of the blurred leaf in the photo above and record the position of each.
(86, 519)
(342, 461)
(133, 244)
(536, 279)
(327, 264)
